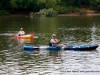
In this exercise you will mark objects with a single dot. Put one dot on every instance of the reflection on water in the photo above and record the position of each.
(22, 41)
(76, 30)
(19, 63)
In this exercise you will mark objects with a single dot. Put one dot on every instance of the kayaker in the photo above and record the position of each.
(55, 42)
(21, 32)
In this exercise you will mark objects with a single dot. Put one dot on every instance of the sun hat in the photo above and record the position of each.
(21, 28)
(53, 34)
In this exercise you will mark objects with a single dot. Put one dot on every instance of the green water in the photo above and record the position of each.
(76, 30)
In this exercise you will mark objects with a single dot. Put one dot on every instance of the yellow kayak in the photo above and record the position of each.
(25, 36)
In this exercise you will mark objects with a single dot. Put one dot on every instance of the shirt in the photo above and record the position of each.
(53, 40)
(21, 33)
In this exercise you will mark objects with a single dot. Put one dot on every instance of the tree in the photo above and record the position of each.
(36, 5)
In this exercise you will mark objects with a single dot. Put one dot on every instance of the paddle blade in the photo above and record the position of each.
(32, 32)
(13, 35)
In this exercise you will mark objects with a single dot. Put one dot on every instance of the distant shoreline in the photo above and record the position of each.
(74, 14)
(89, 13)
(71, 14)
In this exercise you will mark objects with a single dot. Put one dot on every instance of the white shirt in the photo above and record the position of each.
(53, 40)
(21, 33)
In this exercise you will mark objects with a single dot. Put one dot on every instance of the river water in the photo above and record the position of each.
(76, 30)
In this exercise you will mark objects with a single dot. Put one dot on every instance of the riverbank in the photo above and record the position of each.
(71, 14)
(19, 15)
(74, 14)
(89, 13)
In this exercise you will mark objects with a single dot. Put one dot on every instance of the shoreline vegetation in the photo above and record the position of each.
(71, 14)
(51, 12)
(49, 8)
(89, 13)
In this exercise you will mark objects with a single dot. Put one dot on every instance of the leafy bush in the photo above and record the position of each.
(50, 12)
(43, 12)
(83, 11)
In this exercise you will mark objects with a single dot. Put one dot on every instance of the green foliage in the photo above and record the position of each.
(62, 10)
(94, 4)
(61, 6)
(46, 13)
(31, 14)
(14, 4)
(50, 12)
(66, 10)
(42, 13)
(51, 3)
(83, 12)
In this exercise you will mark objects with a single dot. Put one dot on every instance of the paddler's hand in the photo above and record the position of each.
(59, 41)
